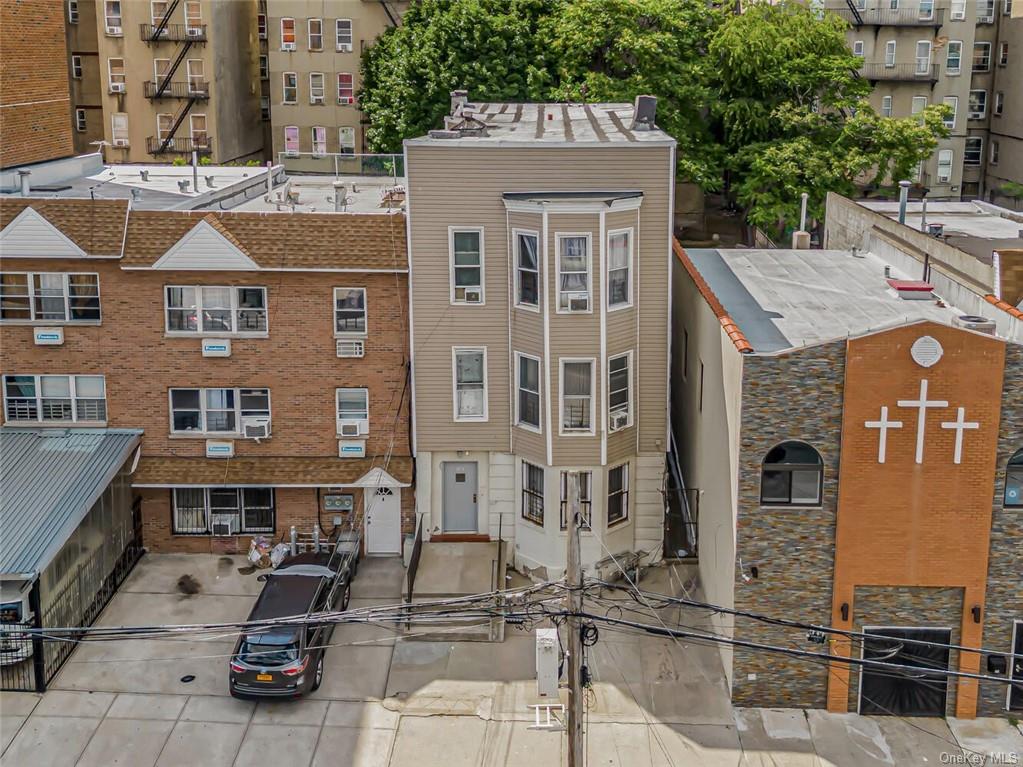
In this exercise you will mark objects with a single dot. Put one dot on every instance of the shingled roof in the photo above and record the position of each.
(96, 226)
(275, 471)
(279, 240)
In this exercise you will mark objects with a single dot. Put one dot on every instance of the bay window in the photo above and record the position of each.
(576, 382)
(63, 398)
(619, 394)
(527, 269)
(527, 404)
(218, 310)
(573, 256)
(470, 384)
(619, 269)
(216, 411)
(49, 297)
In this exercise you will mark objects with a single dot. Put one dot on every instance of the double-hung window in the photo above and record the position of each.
(470, 383)
(619, 269)
(981, 57)
(973, 150)
(112, 17)
(218, 310)
(193, 14)
(319, 134)
(944, 166)
(923, 57)
(573, 251)
(345, 88)
(1003, 54)
(315, 34)
(119, 128)
(886, 106)
(576, 381)
(76, 67)
(223, 510)
(619, 391)
(287, 34)
(977, 106)
(857, 49)
(958, 10)
(316, 88)
(466, 246)
(80, 121)
(585, 499)
(954, 57)
(994, 153)
(261, 25)
(115, 75)
(889, 53)
(291, 140)
(527, 269)
(985, 11)
(999, 106)
(72, 11)
(343, 30)
(290, 87)
(63, 398)
(952, 102)
(350, 311)
(216, 411)
(527, 404)
(532, 493)
(49, 297)
(352, 412)
(264, 67)
(617, 494)
(346, 140)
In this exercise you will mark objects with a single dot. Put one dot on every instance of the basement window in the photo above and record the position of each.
(223, 510)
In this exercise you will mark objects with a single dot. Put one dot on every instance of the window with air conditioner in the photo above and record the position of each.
(291, 140)
(115, 75)
(345, 88)
(958, 10)
(288, 34)
(985, 11)
(954, 57)
(119, 129)
(65, 399)
(619, 269)
(977, 108)
(215, 310)
(316, 89)
(981, 57)
(350, 312)
(573, 267)
(886, 106)
(575, 385)
(290, 87)
(112, 17)
(952, 102)
(76, 67)
(352, 412)
(466, 260)
(315, 34)
(469, 368)
(218, 412)
(944, 166)
(223, 510)
(527, 402)
(50, 297)
(527, 268)
(80, 122)
(343, 29)
(973, 150)
(619, 392)
(346, 140)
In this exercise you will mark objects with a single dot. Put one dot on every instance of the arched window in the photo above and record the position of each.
(792, 475)
(1014, 480)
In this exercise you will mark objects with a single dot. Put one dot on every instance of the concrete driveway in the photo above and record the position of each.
(419, 703)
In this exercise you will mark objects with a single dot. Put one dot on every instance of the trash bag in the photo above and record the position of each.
(259, 552)
(278, 553)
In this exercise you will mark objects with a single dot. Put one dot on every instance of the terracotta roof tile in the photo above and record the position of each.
(96, 226)
(1005, 306)
(727, 323)
(269, 471)
(279, 240)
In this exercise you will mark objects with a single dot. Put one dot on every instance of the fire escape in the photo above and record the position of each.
(189, 92)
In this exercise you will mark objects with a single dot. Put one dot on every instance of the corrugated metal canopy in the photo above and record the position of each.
(49, 479)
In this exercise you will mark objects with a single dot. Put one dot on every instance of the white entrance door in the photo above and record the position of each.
(383, 520)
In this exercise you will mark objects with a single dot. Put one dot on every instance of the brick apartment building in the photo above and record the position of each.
(858, 459)
(253, 350)
(34, 96)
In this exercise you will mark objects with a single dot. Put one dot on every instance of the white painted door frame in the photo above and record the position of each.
(382, 526)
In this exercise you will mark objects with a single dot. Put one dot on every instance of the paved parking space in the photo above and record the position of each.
(398, 703)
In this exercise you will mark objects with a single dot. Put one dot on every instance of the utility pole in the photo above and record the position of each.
(574, 577)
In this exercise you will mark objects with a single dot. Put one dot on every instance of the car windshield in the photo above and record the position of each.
(269, 649)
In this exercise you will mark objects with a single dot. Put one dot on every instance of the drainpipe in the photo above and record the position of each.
(26, 187)
(802, 212)
(923, 213)
(903, 200)
(269, 178)
(195, 171)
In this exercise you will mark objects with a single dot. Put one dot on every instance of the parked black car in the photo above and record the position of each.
(286, 661)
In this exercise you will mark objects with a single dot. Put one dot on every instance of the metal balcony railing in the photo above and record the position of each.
(179, 145)
(904, 72)
(194, 89)
(887, 17)
(174, 33)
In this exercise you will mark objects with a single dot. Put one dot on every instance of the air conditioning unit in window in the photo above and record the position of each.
(194, 32)
(114, 30)
(120, 142)
(220, 527)
(344, 47)
(316, 99)
(619, 420)
(349, 428)
(345, 100)
(117, 87)
(473, 296)
(351, 348)
(578, 302)
(287, 46)
(256, 427)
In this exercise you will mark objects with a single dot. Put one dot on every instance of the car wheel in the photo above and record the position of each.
(346, 597)
(318, 678)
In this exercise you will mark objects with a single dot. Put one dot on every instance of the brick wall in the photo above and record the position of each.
(791, 396)
(35, 116)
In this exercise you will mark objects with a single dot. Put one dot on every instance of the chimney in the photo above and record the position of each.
(458, 100)
(26, 187)
(644, 113)
(903, 200)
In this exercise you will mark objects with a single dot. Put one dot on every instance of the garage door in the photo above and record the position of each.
(898, 692)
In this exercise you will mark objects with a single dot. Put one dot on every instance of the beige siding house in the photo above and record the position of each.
(540, 250)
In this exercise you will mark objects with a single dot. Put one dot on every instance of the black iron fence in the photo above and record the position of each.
(185, 145)
(174, 33)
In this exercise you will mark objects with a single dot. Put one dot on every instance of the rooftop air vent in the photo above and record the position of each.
(977, 323)
(912, 290)
(936, 230)
(644, 112)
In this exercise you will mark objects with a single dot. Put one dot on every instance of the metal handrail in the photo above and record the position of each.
(413, 562)
(909, 72)
(175, 33)
(182, 144)
(885, 17)
(189, 90)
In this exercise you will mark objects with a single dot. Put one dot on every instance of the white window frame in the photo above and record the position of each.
(76, 67)
(261, 26)
(455, 351)
(264, 66)
(886, 106)
(362, 421)
(628, 268)
(951, 101)
(958, 69)
(1007, 7)
(294, 34)
(339, 45)
(979, 142)
(345, 148)
(155, 16)
(626, 492)
(857, 48)
(196, 79)
(319, 144)
(317, 93)
(1003, 54)
(298, 140)
(982, 113)
(193, 131)
(519, 304)
(983, 45)
(452, 230)
(284, 87)
(72, 396)
(922, 64)
(193, 14)
(951, 158)
(558, 237)
(162, 119)
(630, 391)
(985, 11)
(122, 132)
(204, 432)
(80, 120)
(235, 308)
(108, 5)
(310, 34)
(538, 428)
(207, 531)
(998, 107)
(66, 291)
(917, 100)
(571, 432)
(160, 72)
(958, 10)
(345, 100)
(110, 72)
(890, 51)
(993, 152)
(365, 314)
(72, 11)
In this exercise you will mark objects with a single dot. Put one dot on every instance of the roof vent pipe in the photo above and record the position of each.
(644, 113)
(195, 170)
(340, 193)
(183, 185)
(923, 213)
(903, 200)
(144, 175)
(802, 211)
(26, 187)
(269, 177)
(458, 100)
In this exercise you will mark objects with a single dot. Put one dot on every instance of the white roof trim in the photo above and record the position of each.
(564, 206)
(29, 235)
(203, 247)
(377, 477)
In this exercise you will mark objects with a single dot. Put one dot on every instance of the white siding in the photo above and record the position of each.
(30, 235)
(205, 248)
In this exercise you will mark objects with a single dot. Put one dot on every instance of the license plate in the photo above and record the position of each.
(264, 677)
